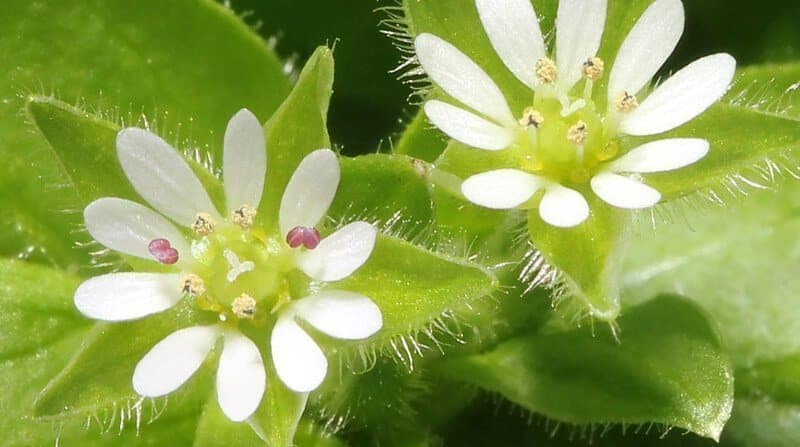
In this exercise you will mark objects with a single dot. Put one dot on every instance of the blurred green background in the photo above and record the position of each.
(369, 104)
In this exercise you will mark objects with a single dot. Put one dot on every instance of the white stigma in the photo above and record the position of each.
(237, 267)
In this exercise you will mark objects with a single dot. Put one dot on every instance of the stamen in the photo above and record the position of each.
(626, 103)
(546, 71)
(203, 224)
(193, 285)
(577, 134)
(237, 267)
(244, 306)
(307, 237)
(244, 216)
(163, 251)
(531, 118)
(593, 69)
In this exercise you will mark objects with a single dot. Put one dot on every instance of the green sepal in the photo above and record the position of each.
(277, 419)
(420, 140)
(667, 367)
(296, 129)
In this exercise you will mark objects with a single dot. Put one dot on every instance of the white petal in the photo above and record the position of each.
(563, 207)
(310, 191)
(646, 48)
(661, 155)
(579, 29)
(340, 254)
(341, 314)
(244, 161)
(127, 296)
(241, 378)
(467, 127)
(513, 29)
(128, 227)
(461, 78)
(161, 176)
(624, 192)
(298, 360)
(502, 189)
(683, 96)
(173, 360)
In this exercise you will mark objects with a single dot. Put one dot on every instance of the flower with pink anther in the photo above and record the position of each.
(246, 270)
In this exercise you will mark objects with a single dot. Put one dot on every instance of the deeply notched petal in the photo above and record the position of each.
(513, 29)
(624, 192)
(127, 296)
(563, 207)
(685, 95)
(173, 360)
(244, 161)
(340, 254)
(128, 227)
(299, 362)
(162, 177)
(467, 127)
(648, 45)
(241, 377)
(310, 191)
(579, 30)
(501, 189)
(341, 314)
(461, 78)
(661, 156)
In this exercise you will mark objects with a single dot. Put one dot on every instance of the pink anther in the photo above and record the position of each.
(162, 250)
(307, 237)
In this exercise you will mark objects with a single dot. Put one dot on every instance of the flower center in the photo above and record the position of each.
(565, 149)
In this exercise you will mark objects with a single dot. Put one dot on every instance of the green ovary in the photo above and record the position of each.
(269, 282)
(550, 152)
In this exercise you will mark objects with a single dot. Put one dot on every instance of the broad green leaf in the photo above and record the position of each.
(41, 332)
(122, 59)
(297, 128)
(389, 189)
(667, 367)
(415, 288)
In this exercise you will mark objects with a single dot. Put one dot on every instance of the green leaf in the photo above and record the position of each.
(297, 128)
(41, 332)
(667, 368)
(123, 59)
(389, 189)
(415, 288)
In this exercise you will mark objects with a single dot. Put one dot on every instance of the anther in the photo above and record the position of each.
(531, 118)
(203, 224)
(593, 69)
(626, 103)
(244, 216)
(163, 251)
(546, 71)
(307, 237)
(577, 134)
(244, 306)
(193, 285)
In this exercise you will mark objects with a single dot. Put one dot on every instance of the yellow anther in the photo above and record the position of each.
(626, 103)
(203, 224)
(609, 151)
(546, 71)
(593, 68)
(577, 134)
(192, 285)
(531, 118)
(244, 216)
(244, 306)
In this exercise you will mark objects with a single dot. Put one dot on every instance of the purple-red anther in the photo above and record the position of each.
(163, 251)
(307, 237)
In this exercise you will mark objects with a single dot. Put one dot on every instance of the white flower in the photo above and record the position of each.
(229, 266)
(563, 139)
